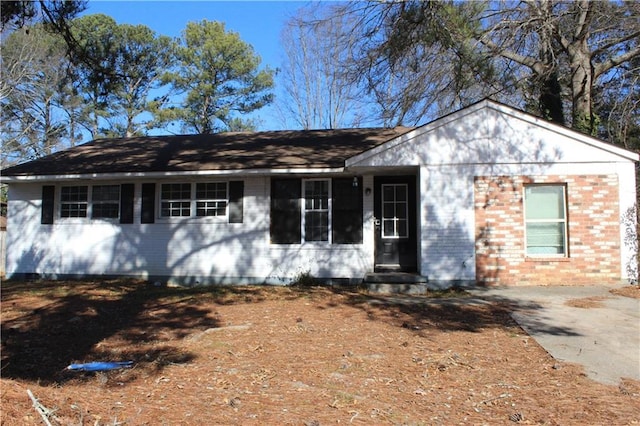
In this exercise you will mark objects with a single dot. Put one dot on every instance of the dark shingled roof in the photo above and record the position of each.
(222, 151)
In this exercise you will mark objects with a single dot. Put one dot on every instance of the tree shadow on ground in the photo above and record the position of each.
(48, 325)
(452, 310)
(455, 309)
(528, 314)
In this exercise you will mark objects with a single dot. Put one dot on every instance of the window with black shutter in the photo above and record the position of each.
(236, 194)
(285, 211)
(148, 214)
(347, 211)
(126, 202)
(48, 202)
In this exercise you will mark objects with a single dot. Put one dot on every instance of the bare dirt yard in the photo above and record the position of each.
(283, 355)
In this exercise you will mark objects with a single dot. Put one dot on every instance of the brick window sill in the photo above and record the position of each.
(546, 259)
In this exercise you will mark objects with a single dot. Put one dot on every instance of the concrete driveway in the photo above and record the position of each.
(605, 339)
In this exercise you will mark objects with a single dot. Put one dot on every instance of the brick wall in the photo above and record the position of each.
(593, 232)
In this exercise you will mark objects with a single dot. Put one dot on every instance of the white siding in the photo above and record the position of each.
(191, 250)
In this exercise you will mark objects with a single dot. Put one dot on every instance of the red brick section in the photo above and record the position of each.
(594, 232)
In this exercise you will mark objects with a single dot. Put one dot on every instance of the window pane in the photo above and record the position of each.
(544, 202)
(175, 208)
(106, 193)
(211, 199)
(105, 201)
(388, 193)
(105, 211)
(316, 226)
(545, 219)
(401, 192)
(175, 200)
(388, 228)
(211, 208)
(73, 201)
(401, 210)
(176, 191)
(212, 191)
(73, 193)
(394, 211)
(389, 210)
(545, 238)
(316, 204)
(73, 210)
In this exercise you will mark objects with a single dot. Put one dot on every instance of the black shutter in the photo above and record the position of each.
(285, 211)
(126, 202)
(148, 214)
(48, 202)
(236, 192)
(346, 221)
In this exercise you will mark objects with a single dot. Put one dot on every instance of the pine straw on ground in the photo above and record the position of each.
(632, 291)
(265, 355)
(628, 291)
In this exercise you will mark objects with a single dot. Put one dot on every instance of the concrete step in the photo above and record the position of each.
(414, 289)
(395, 278)
(395, 283)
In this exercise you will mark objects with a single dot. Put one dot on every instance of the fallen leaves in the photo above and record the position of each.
(284, 356)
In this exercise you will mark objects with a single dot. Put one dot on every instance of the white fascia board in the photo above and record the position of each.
(161, 175)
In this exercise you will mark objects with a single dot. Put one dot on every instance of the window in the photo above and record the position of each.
(545, 217)
(97, 202)
(175, 200)
(201, 199)
(316, 210)
(74, 201)
(211, 199)
(105, 201)
(395, 210)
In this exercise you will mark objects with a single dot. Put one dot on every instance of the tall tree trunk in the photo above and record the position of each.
(551, 99)
(47, 133)
(581, 87)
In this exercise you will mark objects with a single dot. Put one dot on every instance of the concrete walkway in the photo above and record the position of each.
(604, 339)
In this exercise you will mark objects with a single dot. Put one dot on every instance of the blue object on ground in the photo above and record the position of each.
(100, 366)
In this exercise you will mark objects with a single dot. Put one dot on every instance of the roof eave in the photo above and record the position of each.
(157, 175)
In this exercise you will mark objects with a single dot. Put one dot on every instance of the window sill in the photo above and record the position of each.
(547, 259)
(192, 219)
(316, 246)
(85, 221)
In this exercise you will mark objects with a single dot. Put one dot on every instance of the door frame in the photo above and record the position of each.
(407, 247)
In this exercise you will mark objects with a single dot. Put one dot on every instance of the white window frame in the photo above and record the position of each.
(328, 210)
(84, 202)
(192, 202)
(175, 204)
(103, 202)
(397, 235)
(88, 203)
(214, 201)
(564, 221)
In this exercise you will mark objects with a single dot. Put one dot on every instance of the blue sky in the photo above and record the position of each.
(259, 23)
